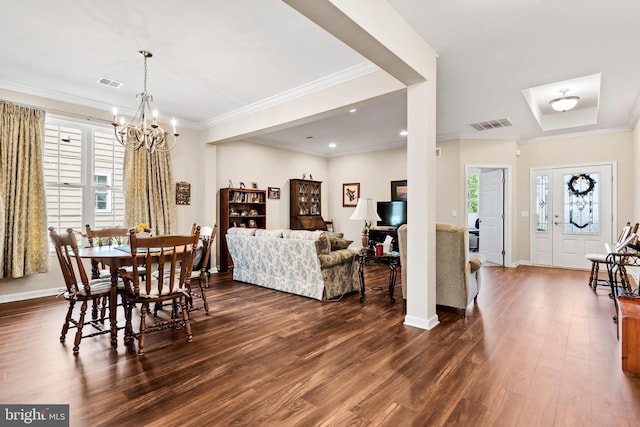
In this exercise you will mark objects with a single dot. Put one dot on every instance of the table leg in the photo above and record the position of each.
(362, 264)
(392, 280)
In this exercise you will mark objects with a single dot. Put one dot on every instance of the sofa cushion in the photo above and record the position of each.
(242, 231)
(339, 243)
(269, 234)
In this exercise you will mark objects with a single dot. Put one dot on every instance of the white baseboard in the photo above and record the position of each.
(21, 296)
(421, 323)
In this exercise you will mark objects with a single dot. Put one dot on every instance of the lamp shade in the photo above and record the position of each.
(365, 210)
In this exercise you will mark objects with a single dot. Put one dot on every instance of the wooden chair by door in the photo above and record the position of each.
(80, 289)
(168, 261)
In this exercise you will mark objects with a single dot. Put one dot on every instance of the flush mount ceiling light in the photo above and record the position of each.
(564, 103)
(141, 131)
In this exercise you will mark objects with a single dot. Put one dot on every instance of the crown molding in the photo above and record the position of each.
(577, 134)
(76, 100)
(331, 80)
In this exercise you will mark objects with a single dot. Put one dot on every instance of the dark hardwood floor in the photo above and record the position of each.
(539, 349)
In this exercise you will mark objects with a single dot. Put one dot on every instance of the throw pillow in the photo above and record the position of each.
(323, 244)
(337, 243)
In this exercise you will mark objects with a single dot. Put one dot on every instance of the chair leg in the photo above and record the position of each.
(94, 309)
(593, 277)
(67, 320)
(103, 307)
(76, 342)
(143, 326)
(128, 329)
(185, 317)
(204, 298)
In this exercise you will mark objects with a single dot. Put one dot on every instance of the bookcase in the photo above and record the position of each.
(239, 207)
(305, 205)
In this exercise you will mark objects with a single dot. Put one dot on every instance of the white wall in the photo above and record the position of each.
(374, 171)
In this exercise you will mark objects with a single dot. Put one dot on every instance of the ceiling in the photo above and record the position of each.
(216, 57)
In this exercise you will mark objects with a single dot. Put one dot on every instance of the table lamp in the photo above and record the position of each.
(365, 210)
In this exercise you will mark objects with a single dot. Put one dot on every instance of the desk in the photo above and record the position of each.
(392, 261)
(115, 259)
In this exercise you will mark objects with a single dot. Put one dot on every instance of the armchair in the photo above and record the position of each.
(457, 274)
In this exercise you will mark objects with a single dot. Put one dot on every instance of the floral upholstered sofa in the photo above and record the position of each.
(300, 262)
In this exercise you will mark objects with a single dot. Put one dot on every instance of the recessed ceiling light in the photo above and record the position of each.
(332, 145)
(404, 133)
(353, 110)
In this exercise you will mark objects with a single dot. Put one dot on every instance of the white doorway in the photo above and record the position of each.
(489, 211)
(572, 213)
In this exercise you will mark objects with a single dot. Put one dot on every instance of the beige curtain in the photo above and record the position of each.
(23, 204)
(149, 191)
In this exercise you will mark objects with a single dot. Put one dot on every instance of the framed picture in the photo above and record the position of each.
(183, 193)
(273, 192)
(399, 191)
(350, 194)
(254, 185)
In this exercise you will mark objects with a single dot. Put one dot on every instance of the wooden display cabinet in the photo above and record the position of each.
(239, 207)
(305, 205)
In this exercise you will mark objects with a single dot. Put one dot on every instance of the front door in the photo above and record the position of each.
(582, 219)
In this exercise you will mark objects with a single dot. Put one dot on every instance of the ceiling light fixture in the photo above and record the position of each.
(404, 133)
(141, 131)
(332, 145)
(564, 103)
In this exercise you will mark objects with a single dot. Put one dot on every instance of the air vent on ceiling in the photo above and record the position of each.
(492, 124)
(108, 82)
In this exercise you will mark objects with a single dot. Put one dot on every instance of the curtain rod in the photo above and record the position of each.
(60, 112)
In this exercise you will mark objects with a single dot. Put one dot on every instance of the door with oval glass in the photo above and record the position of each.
(582, 220)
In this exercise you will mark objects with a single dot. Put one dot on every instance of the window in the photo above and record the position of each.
(83, 167)
(102, 183)
(472, 192)
(542, 206)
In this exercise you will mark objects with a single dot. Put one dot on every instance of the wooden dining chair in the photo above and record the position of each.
(104, 237)
(168, 261)
(200, 271)
(79, 288)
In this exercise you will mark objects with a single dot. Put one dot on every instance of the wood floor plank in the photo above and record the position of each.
(538, 349)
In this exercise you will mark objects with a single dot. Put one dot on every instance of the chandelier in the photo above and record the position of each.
(143, 129)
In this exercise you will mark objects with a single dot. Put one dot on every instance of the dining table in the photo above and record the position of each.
(115, 257)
